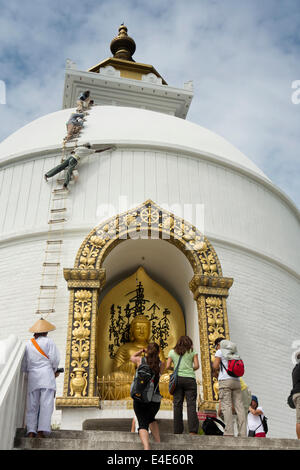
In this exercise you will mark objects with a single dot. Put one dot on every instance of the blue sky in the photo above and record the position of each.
(242, 55)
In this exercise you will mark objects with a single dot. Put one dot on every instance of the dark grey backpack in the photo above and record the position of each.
(142, 388)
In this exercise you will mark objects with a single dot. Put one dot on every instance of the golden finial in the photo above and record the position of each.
(123, 46)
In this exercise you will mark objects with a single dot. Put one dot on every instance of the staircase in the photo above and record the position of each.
(114, 435)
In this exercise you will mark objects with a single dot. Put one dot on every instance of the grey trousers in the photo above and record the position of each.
(186, 387)
(230, 394)
(69, 163)
(40, 406)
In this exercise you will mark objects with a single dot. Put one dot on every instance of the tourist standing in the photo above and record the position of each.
(186, 386)
(230, 392)
(146, 412)
(255, 417)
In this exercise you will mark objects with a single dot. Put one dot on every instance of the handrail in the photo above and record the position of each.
(12, 390)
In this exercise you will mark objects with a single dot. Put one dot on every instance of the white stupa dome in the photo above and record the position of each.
(123, 125)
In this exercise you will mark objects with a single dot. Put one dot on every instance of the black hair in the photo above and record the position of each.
(218, 340)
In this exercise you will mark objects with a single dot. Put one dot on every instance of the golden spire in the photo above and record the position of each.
(123, 46)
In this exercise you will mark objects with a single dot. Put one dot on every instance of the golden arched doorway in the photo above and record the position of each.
(87, 278)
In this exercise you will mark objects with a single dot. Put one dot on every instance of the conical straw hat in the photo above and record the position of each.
(42, 326)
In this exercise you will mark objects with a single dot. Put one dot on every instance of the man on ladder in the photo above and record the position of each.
(72, 161)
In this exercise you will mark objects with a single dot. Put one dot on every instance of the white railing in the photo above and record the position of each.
(12, 390)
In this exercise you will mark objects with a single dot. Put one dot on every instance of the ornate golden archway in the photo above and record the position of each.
(87, 278)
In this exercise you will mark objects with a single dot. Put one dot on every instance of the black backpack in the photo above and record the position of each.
(210, 428)
(142, 387)
(264, 423)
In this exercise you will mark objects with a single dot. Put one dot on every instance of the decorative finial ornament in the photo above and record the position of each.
(123, 46)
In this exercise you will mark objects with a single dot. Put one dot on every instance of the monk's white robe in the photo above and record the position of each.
(41, 384)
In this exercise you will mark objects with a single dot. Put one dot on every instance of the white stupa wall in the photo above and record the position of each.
(237, 208)
(252, 225)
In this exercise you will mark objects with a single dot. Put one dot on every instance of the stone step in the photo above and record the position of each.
(120, 440)
(115, 424)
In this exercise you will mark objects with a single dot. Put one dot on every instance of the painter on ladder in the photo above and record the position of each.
(72, 161)
(83, 101)
(74, 125)
(40, 362)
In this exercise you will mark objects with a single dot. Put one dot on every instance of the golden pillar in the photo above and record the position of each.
(80, 387)
(210, 293)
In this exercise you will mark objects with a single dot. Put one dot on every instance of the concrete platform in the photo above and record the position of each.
(124, 440)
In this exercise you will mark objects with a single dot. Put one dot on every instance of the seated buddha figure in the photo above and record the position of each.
(123, 369)
(139, 335)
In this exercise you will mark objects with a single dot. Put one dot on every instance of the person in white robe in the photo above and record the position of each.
(42, 372)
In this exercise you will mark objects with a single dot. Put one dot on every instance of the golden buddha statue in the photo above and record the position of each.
(139, 335)
(123, 369)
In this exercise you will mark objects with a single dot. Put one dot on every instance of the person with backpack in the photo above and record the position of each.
(186, 386)
(230, 393)
(145, 391)
(255, 419)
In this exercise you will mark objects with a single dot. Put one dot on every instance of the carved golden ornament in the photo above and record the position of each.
(78, 383)
(130, 218)
(83, 295)
(91, 251)
(74, 402)
(97, 241)
(204, 284)
(200, 246)
(86, 278)
(215, 321)
(80, 342)
(145, 219)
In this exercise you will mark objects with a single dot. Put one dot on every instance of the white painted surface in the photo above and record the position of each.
(12, 390)
(236, 207)
(73, 419)
(108, 88)
(123, 125)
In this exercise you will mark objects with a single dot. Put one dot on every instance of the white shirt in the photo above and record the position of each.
(41, 371)
(223, 374)
(254, 422)
(82, 152)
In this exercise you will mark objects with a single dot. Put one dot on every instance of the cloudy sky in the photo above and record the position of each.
(242, 55)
